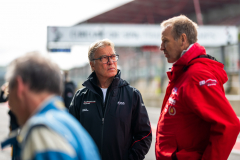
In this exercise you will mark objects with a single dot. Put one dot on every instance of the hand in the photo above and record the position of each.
(5, 89)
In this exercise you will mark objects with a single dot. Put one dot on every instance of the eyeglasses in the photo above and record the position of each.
(105, 59)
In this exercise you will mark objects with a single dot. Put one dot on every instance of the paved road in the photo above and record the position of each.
(153, 115)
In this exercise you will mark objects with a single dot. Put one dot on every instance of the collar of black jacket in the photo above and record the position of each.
(117, 81)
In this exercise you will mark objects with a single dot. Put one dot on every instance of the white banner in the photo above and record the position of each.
(133, 35)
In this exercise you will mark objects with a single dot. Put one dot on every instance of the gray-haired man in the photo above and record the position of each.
(110, 109)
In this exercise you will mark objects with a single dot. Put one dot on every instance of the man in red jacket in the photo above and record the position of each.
(196, 120)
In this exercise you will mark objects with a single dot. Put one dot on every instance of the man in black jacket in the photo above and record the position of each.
(110, 109)
(69, 90)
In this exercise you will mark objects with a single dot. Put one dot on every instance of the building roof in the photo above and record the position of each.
(155, 11)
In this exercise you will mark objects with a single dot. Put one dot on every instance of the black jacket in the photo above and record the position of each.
(123, 131)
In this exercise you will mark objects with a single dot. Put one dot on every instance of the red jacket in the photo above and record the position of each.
(196, 121)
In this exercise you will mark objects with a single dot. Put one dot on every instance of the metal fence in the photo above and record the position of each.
(228, 55)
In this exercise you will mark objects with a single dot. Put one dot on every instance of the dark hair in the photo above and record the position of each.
(39, 72)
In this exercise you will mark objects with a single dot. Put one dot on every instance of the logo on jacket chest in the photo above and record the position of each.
(172, 110)
(174, 91)
(85, 110)
(121, 103)
(209, 82)
(172, 102)
(88, 102)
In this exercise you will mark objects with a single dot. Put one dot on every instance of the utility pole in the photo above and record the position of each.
(239, 67)
(198, 12)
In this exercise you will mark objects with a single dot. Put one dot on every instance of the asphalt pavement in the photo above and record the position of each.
(153, 115)
(4, 131)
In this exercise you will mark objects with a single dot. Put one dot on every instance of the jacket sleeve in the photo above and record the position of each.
(142, 132)
(74, 106)
(205, 96)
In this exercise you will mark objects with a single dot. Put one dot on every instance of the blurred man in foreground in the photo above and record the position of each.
(196, 121)
(47, 131)
(110, 109)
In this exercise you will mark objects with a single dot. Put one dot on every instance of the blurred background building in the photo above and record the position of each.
(2, 74)
(142, 64)
(133, 25)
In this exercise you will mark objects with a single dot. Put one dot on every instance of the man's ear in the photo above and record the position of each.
(184, 40)
(92, 65)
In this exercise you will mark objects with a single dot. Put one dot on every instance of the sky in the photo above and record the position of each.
(23, 26)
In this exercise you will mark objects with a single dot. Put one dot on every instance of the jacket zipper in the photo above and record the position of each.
(102, 134)
(103, 122)
(102, 126)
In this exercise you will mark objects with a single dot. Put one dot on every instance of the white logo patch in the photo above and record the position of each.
(121, 103)
(166, 108)
(172, 101)
(143, 104)
(209, 82)
(85, 110)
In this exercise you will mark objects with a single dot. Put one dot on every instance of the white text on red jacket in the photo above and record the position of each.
(209, 82)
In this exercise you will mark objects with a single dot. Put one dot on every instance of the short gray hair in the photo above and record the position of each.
(96, 45)
(37, 71)
(181, 24)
